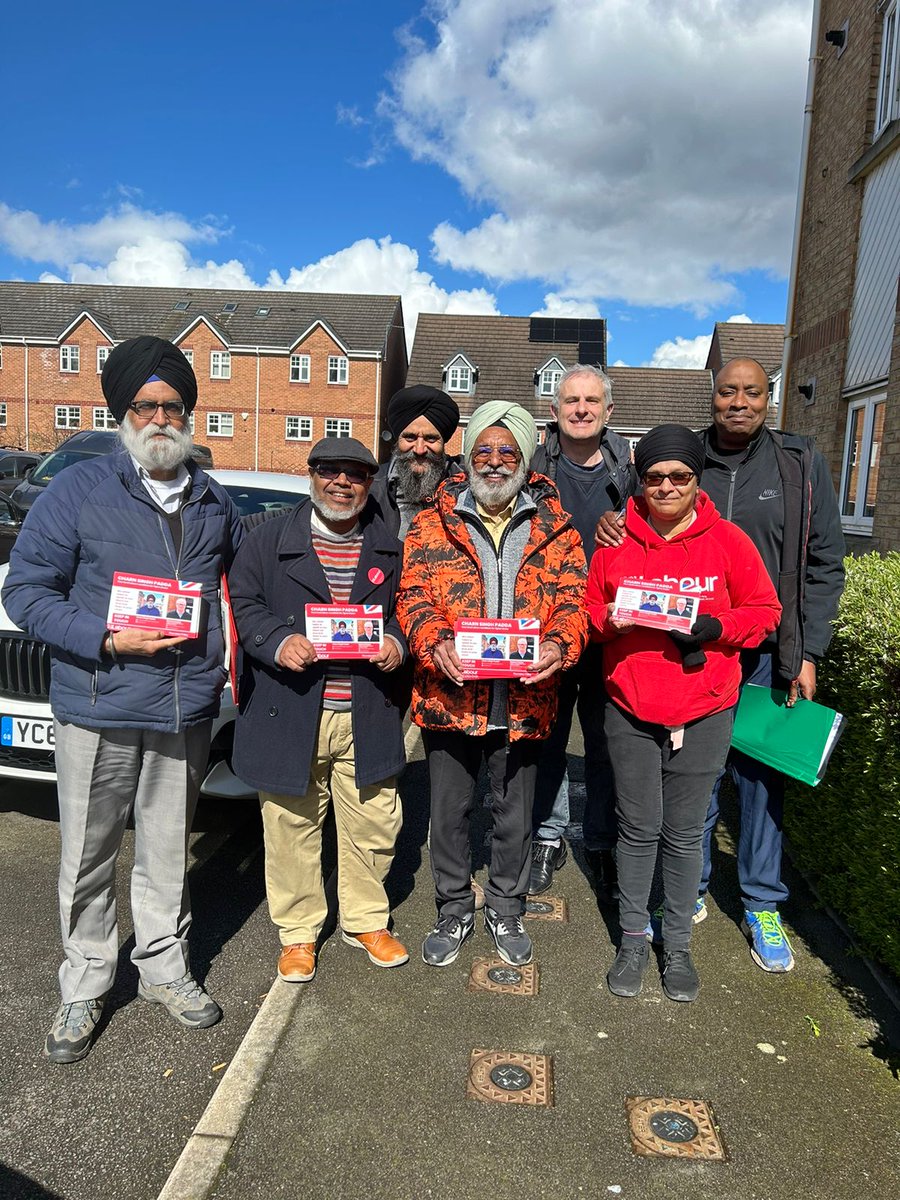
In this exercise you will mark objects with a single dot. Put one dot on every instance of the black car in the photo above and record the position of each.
(88, 444)
(10, 524)
(14, 464)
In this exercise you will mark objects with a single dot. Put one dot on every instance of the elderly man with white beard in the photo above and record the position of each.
(132, 708)
(496, 544)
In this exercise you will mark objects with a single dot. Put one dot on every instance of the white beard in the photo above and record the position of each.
(156, 453)
(496, 495)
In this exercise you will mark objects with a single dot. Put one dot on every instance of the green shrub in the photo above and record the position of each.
(846, 831)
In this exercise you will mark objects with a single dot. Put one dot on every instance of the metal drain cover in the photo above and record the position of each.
(547, 908)
(494, 975)
(510, 1077)
(669, 1128)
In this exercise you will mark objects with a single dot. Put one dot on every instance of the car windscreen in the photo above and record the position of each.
(51, 466)
(250, 500)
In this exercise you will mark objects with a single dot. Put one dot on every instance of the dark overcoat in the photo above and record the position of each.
(275, 575)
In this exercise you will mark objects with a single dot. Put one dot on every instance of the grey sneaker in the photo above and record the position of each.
(679, 976)
(443, 944)
(73, 1031)
(184, 1000)
(626, 976)
(512, 942)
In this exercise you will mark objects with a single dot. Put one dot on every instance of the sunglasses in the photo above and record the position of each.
(509, 454)
(352, 474)
(655, 478)
(147, 409)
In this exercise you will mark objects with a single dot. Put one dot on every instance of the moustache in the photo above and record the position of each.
(487, 469)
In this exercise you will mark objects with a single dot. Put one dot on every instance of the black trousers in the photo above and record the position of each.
(454, 760)
(662, 795)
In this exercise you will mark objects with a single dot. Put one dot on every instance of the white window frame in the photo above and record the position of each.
(460, 376)
(857, 522)
(70, 359)
(220, 424)
(338, 368)
(102, 356)
(887, 106)
(1, 358)
(302, 429)
(2, 414)
(103, 418)
(299, 371)
(220, 364)
(63, 417)
(551, 373)
(189, 355)
(338, 427)
(190, 422)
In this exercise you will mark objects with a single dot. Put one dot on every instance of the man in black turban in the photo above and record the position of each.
(422, 419)
(141, 360)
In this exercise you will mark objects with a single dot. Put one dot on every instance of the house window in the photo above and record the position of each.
(103, 419)
(338, 368)
(191, 423)
(459, 379)
(298, 429)
(862, 461)
(220, 424)
(550, 377)
(189, 355)
(220, 364)
(3, 415)
(338, 427)
(1, 358)
(102, 356)
(300, 368)
(68, 416)
(888, 104)
(69, 359)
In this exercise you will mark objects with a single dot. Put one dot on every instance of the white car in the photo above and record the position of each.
(26, 723)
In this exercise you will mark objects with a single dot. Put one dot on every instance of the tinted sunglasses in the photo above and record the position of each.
(353, 474)
(655, 478)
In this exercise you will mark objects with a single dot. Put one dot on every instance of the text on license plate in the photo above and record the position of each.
(24, 731)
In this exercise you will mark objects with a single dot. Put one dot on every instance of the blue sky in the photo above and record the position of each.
(632, 159)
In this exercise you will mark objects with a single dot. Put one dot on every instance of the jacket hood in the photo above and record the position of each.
(637, 522)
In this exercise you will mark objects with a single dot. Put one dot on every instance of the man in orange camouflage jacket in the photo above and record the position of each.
(496, 544)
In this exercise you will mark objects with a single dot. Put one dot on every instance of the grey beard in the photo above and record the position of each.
(491, 495)
(152, 452)
(416, 487)
(327, 513)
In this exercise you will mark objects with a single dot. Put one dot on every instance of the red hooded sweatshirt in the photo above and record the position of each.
(712, 559)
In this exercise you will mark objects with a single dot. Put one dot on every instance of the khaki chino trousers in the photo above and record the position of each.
(368, 821)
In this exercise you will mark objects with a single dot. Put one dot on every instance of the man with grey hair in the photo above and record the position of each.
(591, 466)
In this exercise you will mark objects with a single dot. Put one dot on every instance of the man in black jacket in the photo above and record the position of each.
(592, 468)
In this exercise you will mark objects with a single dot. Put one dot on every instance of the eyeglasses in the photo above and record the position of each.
(146, 409)
(352, 474)
(678, 478)
(509, 454)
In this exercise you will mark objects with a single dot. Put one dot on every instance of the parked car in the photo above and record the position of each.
(26, 723)
(88, 444)
(10, 524)
(14, 464)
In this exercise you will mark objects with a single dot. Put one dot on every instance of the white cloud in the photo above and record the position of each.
(561, 306)
(629, 149)
(689, 352)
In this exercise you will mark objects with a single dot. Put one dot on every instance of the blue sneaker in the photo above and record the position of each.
(654, 929)
(769, 946)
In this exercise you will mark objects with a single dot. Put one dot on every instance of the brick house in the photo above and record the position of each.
(843, 379)
(520, 359)
(276, 370)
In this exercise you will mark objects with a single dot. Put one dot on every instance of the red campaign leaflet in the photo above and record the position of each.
(497, 649)
(170, 606)
(657, 605)
(345, 630)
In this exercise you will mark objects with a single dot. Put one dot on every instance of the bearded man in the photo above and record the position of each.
(132, 708)
(495, 544)
(422, 419)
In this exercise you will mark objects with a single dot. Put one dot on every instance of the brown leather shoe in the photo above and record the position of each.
(297, 963)
(383, 949)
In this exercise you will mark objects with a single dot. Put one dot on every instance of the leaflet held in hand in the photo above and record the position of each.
(656, 605)
(169, 606)
(500, 649)
(345, 630)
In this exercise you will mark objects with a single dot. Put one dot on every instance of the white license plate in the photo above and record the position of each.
(26, 732)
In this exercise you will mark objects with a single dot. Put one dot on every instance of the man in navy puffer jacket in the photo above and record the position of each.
(132, 708)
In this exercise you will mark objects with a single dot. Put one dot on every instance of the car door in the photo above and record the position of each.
(9, 528)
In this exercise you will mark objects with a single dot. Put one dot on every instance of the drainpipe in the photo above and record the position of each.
(27, 429)
(375, 448)
(256, 432)
(789, 335)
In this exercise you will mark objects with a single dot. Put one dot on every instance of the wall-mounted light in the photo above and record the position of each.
(838, 37)
(244, 416)
(808, 392)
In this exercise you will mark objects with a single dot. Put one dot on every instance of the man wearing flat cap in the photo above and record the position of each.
(132, 708)
(422, 420)
(495, 544)
(315, 733)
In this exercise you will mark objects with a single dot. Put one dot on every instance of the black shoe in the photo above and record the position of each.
(679, 976)
(512, 942)
(626, 976)
(606, 874)
(442, 946)
(545, 859)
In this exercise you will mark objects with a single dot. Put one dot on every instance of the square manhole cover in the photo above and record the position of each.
(494, 975)
(668, 1128)
(546, 908)
(510, 1077)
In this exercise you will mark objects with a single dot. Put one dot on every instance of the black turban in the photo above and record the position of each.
(668, 443)
(132, 363)
(422, 401)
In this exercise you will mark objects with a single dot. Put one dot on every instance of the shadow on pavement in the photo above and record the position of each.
(14, 1186)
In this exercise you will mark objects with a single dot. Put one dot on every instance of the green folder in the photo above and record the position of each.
(797, 741)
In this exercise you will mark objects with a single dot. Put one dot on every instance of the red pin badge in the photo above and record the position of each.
(376, 575)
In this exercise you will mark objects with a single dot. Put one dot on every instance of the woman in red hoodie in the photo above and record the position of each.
(672, 695)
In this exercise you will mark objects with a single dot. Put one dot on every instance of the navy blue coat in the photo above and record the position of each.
(275, 575)
(94, 519)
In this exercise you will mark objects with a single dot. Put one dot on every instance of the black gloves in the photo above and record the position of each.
(704, 629)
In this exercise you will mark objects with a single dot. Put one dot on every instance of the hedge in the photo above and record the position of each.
(846, 832)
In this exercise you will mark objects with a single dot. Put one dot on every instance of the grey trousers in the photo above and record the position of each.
(102, 775)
